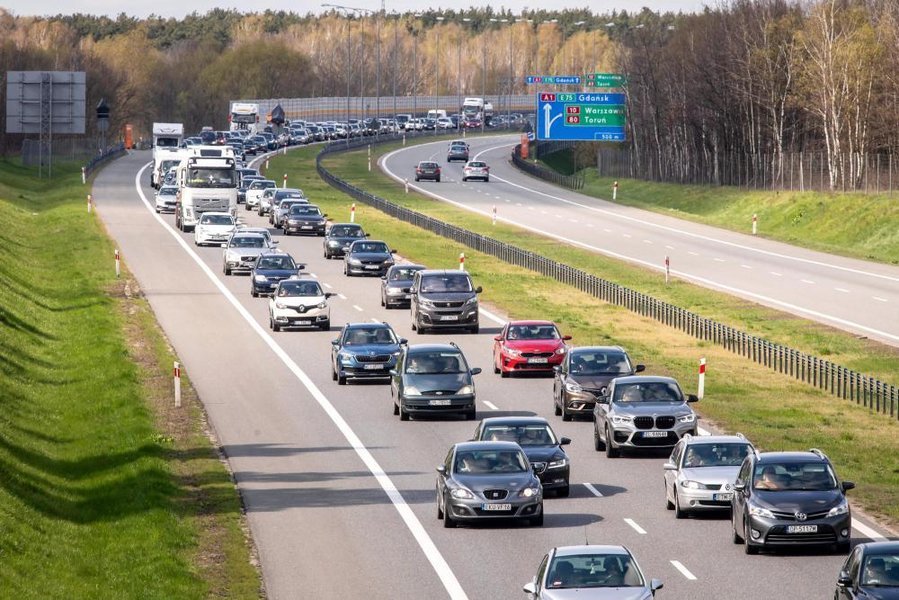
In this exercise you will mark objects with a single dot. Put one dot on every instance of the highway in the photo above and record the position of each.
(339, 493)
(854, 295)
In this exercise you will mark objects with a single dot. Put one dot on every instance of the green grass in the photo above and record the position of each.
(772, 410)
(850, 224)
(97, 495)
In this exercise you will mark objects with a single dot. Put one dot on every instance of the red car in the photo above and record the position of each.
(534, 346)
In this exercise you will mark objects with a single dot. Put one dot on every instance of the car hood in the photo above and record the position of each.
(541, 453)
(217, 228)
(533, 345)
(400, 283)
(596, 594)
(797, 500)
(712, 474)
(248, 251)
(299, 300)
(446, 296)
(282, 273)
(593, 382)
(342, 239)
(370, 256)
(509, 481)
(653, 408)
(371, 349)
(437, 381)
(878, 593)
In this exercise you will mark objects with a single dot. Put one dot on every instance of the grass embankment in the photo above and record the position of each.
(772, 410)
(851, 224)
(106, 491)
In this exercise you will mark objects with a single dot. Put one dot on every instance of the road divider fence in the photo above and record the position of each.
(572, 182)
(100, 159)
(840, 381)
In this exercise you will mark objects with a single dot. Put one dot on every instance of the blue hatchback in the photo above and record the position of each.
(364, 351)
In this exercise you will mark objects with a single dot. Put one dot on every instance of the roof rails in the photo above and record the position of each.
(740, 435)
(818, 452)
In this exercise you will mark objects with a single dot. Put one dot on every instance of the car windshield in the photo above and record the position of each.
(346, 231)
(211, 178)
(282, 195)
(458, 149)
(652, 391)
(533, 332)
(593, 571)
(403, 274)
(445, 283)
(432, 363)
(168, 191)
(358, 336)
(715, 455)
(304, 210)
(477, 165)
(599, 363)
(380, 247)
(427, 165)
(523, 435)
(216, 220)
(276, 262)
(262, 185)
(247, 242)
(487, 462)
(286, 204)
(793, 476)
(299, 288)
(881, 570)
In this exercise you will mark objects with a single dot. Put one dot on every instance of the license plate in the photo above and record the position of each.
(727, 496)
(302, 322)
(372, 267)
(496, 507)
(373, 367)
(306, 227)
(445, 402)
(408, 296)
(802, 529)
(538, 360)
(655, 434)
(449, 317)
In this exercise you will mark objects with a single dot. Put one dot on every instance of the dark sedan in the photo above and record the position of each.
(540, 444)
(364, 351)
(871, 571)
(305, 218)
(339, 237)
(271, 268)
(396, 285)
(427, 169)
(583, 376)
(487, 480)
(367, 257)
(433, 379)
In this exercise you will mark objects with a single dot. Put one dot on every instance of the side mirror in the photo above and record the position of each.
(367, 235)
(640, 368)
(475, 371)
(739, 486)
(844, 580)
(329, 294)
(393, 251)
(403, 341)
(478, 290)
(656, 584)
(692, 398)
(530, 588)
(224, 245)
(564, 441)
(498, 338)
(335, 342)
(669, 466)
(275, 242)
(384, 277)
(393, 371)
(300, 267)
(566, 338)
(557, 368)
(848, 485)
(441, 469)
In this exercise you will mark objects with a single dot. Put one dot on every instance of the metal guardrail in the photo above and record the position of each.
(98, 160)
(572, 182)
(823, 374)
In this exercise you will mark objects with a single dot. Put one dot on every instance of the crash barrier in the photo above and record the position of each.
(572, 182)
(838, 380)
(102, 157)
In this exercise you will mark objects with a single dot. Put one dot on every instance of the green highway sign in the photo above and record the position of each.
(591, 115)
(604, 80)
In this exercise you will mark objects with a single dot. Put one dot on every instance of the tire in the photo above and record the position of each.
(247, 207)
(611, 451)
(843, 547)
(326, 326)
(486, 180)
(383, 303)
(253, 292)
(416, 179)
(598, 444)
(749, 548)
(448, 521)
(679, 513)
(341, 379)
(404, 416)
(496, 370)
(260, 213)
(273, 325)
(538, 521)
(566, 416)
(564, 492)
(475, 329)
(226, 270)
(438, 180)
(464, 179)
(504, 374)
(439, 510)
(471, 415)
(396, 409)
(737, 538)
(333, 374)
(557, 410)
(669, 505)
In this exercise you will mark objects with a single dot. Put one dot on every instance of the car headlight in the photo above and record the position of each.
(394, 291)
(411, 391)
(622, 419)
(323, 304)
(465, 389)
(354, 261)
(687, 418)
(573, 387)
(462, 494)
(529, 492)
(426, 303)
(333, 244)
(513, 352)
(561, 350)
(472, 300)
(557, 464)
(261, 278)
(757, 511)
(840, 509)
(692, 485)
(345, 357)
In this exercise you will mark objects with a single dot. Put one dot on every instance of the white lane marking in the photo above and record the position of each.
(328, 285)
(572, 220)
(867, 531)
(589, 224)
(745, 267)
(809, 281)
(518, 204)
(647, 242)
(669, 247)
(374, 320)
(607, 230)
(341, 296)
(357, 307)
(691, 253)
(491, 316)
(719, 260)
(636, 527)
(703, 431)
(507, 200)
(843, 290)
(879, 299)
(684, 571)
(559, 217)
(314, 275)
(801, 310)
(627, 235)
(593, 490)
(776, 274)
(543, 212)
(531, 208)
(438, 563)
(490, 405)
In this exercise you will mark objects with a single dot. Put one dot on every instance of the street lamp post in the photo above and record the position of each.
(437, 72)
(349, 9)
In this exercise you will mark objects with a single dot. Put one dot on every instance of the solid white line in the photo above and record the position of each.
(543, 212)
(693, 253)
(589, 224)
(636, 527)
(341, 296)
(867, 532)
(627, 235)
(593, 490)
(879, 299)
(843, 290)
(518, 204)
(491, 316)
(374, 320)
(328, 285)
(684, 571)
(438, 563)
(669, 247)
(314, 275)
(490, 405)
(607, 230)
(357, 307)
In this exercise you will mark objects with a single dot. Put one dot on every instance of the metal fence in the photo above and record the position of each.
(102, 157)
(572, 182)
(838, 380)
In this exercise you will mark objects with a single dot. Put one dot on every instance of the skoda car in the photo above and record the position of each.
(457, 152)
(166, 198)
(539, 442)
(870, 572)
(584, 376)
(271, 269)
(790, 499)
(532, 346)
(396, 285)
(427, 169)
(367, 257)
(487, 480)
(299, 303)
(339, 237)
(304, 218)
(364, 351)
(642, 412)
(476, 169)
(701, 472)
(588, 573)
(433, 379)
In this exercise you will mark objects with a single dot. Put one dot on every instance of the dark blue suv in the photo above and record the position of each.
(364, 351)
(270, 269)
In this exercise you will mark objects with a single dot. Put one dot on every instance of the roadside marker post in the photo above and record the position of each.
(118, 264)
(284, 185)
(461, 261)
(176, 373)
(494, 214)
(83, 175)
(404, 137)
(667, 269)
(369, 163)
(755, 224)
(615, 191)
(700, 390)
(407, 184)
(90, 203)
(353, 213)
(266, 164)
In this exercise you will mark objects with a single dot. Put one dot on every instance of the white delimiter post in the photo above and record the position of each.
(118, 267)
(353, 213)
(176, 373)
(615, 191)
(700, 390)
(90, 203)
(494, 214)
(284, 185)
(461, 261)
(755, 224)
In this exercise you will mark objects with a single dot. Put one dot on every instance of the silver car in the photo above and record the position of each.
(701, 472)
(590, 572)
(265, 201)
(242, 250)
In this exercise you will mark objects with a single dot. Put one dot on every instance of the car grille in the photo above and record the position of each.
(713, 486)
(496, 494)
(366, 358)
(643, 422)
(824, 535)
(537, 354)
(596, 393)
(791, 516)
(539, 467)
(666, 422)
(248, 258)
(438, 393)
(448, 304)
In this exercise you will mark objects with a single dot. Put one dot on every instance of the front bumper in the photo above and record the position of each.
(316, 228)
(448, 318)
(166, 206)
(357, 370)
(211, 238)
(264, 287)
(628, 436)
(380, 269)
(474, 509)
(293, 318)
(397, 298)
(765, 531)
(552, 478)
(697, 500)
(243, 263)
(579, 403)
(438, 404)
(509, 363)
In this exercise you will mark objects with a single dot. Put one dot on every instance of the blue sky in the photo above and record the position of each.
(178, 8)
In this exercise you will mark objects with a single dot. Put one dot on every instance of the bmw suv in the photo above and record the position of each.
(788, 499)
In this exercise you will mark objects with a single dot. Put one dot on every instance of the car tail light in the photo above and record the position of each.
(438, 170)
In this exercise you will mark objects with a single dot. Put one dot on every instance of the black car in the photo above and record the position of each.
(870, 572)
(433, 379)
(339, 237)
(789, 499)
(583, 376)
(271, 268)
(364, 351)
(367, 257)
(427, 169)
(396, 285)
(305, 218)
(457, 152)
(540, 444)
(487, 480)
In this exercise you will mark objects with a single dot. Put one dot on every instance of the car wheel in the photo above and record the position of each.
(472, 414)
(341, 379)
(566, 416)
(448, 521)
(247, 207)
(669, 505)
(253, 292)
(496, 370)
(439, 508)
(737, 538)
(404, 416)
(564, 492)
(843, 547)
(260, 213)
(226, 270)
(538, 521)
(438, 180)
(333, 374)
(383, 303)
(326, 326)
(557, 410)
(464, 179)
(504, 374)
(275, 326)
(611, 450)
(475, 329)
(679, 513)
(598, 444)
(416, 179)
(486, 180)
(749, 548)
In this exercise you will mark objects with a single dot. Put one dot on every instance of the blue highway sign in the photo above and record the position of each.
(581, 116)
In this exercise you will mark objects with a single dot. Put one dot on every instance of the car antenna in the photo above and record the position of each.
(586, 541)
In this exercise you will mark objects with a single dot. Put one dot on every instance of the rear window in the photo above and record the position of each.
(428, 165)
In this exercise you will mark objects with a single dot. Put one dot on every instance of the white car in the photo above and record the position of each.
(213, 228)
(255, 190)
(299, 302)
(265, 201)
(445, 123)
(166, 197)
(475, 169)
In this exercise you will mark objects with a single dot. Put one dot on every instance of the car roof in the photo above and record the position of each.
(421, 348)
(513, 421)
(591, 549)
(247, 234)
(346, 225)
(790, 456)
(259, 230)
(645, 379)
(880, 547)
(216, 213)
(716, 439)
(426, 272)
(533, 322)
(487, 446)
(578, 349)
(367, 325)
(409, 266)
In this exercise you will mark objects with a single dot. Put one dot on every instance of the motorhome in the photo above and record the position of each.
(436, 114)
(244, 117)
(166, 139)
(207, 181)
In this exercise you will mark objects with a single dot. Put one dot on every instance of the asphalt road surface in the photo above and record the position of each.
(854, 295)
(340, 494)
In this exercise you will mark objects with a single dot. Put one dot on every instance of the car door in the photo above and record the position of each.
(497, 346)
(413, 302)
(559, 381)
(397, 379)
(851, 568)
(741, 496)
(441, 478)
(541, 576)
(601, 412)
(671, 475)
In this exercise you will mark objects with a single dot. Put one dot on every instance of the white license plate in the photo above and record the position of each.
(306, 227)
(373, 367)
(658, 434)
(302, 322)
(496, 507)
(372, 267)
(445, 402)
(538, 360)
(449, 317)
(802, 529)
(727, 496)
